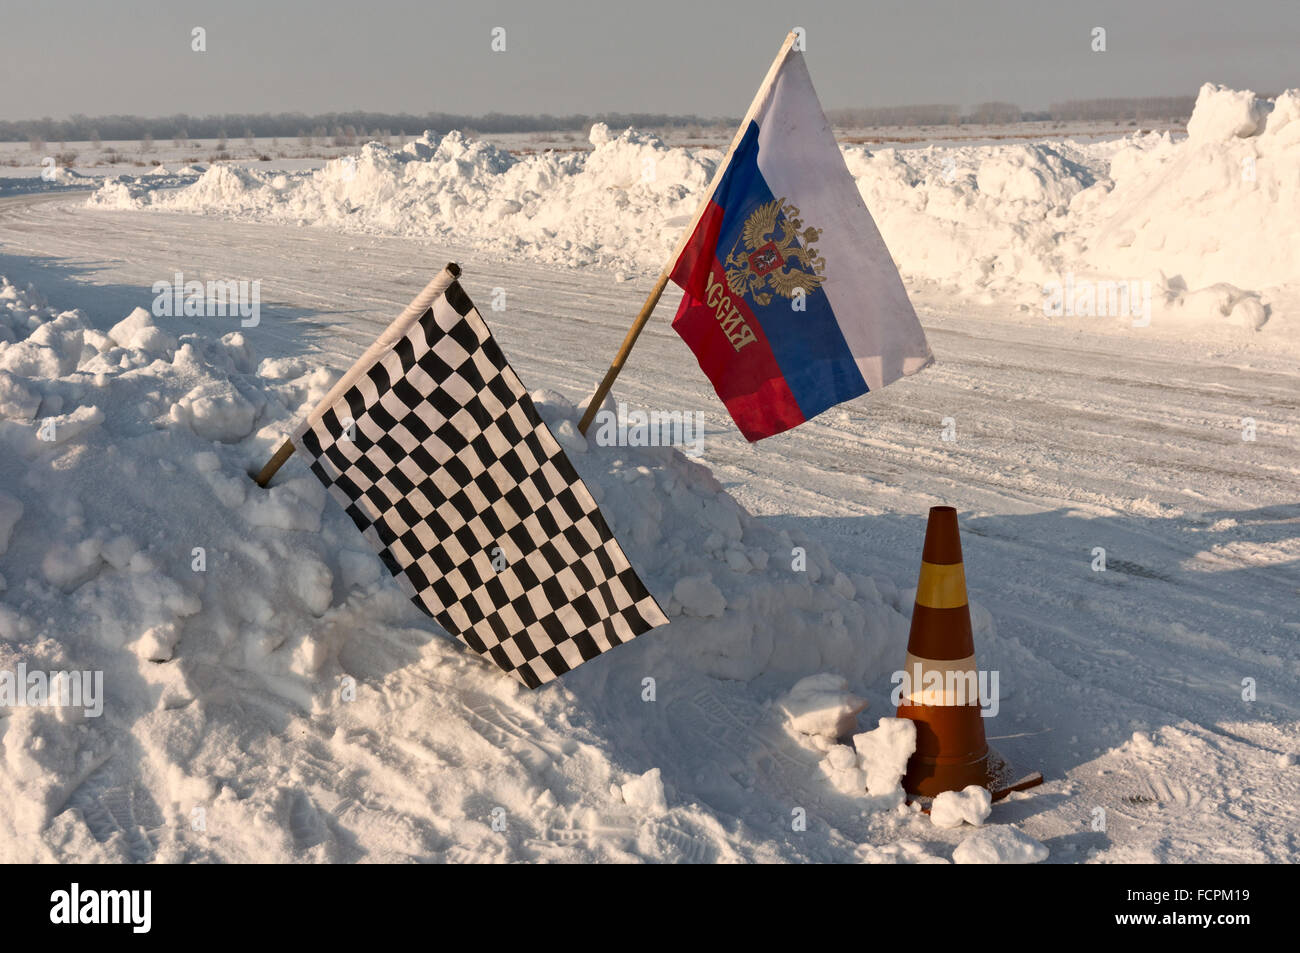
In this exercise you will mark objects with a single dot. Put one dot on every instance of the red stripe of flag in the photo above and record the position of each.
(749, 381)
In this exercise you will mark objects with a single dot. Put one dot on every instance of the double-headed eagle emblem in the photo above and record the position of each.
(766, 264)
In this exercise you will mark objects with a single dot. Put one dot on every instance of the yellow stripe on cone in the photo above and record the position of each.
(941, 587)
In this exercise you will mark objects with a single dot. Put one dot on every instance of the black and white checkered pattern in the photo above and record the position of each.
(440, 458)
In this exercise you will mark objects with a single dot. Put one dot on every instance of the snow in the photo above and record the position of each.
(872, 769)
(1222, 114)
(999, 844)
(1194, 214)
(822, 706)
(698, 596)
(215, 410)
(138, 332)
(1180, 218)
(646, 793)
(901, 852)
(17, 402)
(883, 753)
(971, 805)
(607, 207)
(10, 512)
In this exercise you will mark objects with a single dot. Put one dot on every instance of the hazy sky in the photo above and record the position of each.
(678, 56)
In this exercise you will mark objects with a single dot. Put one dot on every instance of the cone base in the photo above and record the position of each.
(930, 779)
(1024, 784)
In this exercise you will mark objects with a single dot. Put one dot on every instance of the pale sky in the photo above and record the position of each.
(672, 56)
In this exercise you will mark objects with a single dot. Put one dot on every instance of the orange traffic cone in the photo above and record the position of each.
(942, 694)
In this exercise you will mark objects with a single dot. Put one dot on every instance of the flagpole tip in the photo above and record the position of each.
(454, 269)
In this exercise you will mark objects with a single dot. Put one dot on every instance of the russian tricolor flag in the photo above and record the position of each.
(792, 302)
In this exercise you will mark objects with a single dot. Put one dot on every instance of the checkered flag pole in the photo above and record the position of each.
(434, 449)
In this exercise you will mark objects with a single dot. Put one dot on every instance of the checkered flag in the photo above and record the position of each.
(433, 447)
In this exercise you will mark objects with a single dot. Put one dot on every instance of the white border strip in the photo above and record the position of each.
(382, 345)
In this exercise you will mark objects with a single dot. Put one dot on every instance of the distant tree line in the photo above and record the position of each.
(932, 114)
(323, 128)
(994, 113)
(1149, 107)
(348, 128)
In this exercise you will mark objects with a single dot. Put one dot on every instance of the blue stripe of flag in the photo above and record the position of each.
(809, 347)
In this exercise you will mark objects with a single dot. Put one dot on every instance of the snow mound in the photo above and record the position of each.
(646, 792)
(1000, 844)
(883, 753)
(873, 768)
(976, 219)
(62, 175)
(972, 805)
(1220, 207)
(609, 207)
(262, 674)
(822, 706)
(900, 852)
(138, 331)
(1223, 114)
(139, 191)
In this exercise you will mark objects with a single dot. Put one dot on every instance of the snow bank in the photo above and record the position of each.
(61, 175)
(975, 219)
(1223, 206)
(125, 190)
(609, 207)
(1215, 212)
(1209, 221)
(263, 678)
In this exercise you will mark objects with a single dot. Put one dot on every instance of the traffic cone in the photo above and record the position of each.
(951, 750)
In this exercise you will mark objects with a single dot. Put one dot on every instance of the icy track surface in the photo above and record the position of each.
(1124, 687)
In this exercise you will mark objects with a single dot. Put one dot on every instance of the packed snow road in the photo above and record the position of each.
(1160, 695)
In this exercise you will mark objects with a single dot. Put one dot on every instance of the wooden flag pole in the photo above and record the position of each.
(274, 464)
(620, 358)
(421, 303)
(598, 398)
